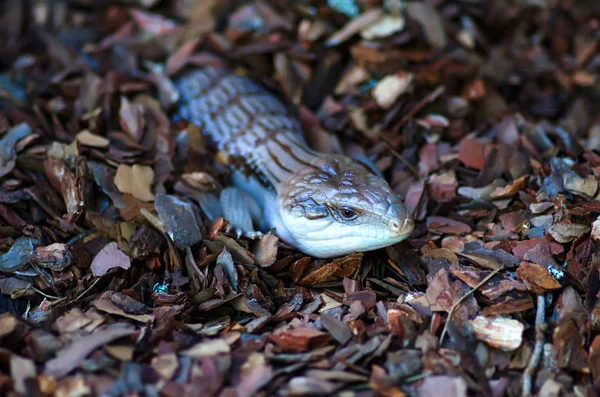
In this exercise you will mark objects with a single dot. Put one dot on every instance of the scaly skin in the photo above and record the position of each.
(325, 205)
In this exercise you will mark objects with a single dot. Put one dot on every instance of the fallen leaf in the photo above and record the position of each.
(443, 225)
(365, 20)
(537, 278)
(86, 138)
(502, 333)
(338, 268)
(595, 235)
(179, 220)
(431, 22)
(265, 252)
(472, 153)
(567, 232)
(71, 356)
(300, 339)
(389, 89)
(510, 189)
(109, 257)
(385, 26)
(336, 328)
(207, 348)
(107, 306)
(443, 386)
(135, 180)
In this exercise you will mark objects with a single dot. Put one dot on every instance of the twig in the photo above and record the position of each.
(44, 294)
(81, 235)
(87, 289)
(432, 96)
(465, 296)
(540, 328)
(404, 161)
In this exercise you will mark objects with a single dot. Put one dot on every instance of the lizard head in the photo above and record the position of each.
(341, 206)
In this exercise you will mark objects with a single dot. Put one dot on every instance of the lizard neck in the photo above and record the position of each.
(283, 155)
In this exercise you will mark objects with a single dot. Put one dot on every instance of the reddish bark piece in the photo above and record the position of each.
(300, 339)
(510, 189)
(338, 268)
(472, 153)
(444, 225)
(537, 278)
(523, 247)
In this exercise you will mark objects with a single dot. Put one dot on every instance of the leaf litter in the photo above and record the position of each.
(118, 275)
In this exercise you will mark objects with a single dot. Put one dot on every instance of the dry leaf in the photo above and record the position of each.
(108, 258)
(86, 138)
(567, 232)
(537, 278)
(500, 332)
(389, 89)
(135, 180)
(71, 356)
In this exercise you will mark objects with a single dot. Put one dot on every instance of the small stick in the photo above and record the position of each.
(540, 328)
(404, 161)
(465, 296)
(81, 235)
(87, 289)
(432, 96)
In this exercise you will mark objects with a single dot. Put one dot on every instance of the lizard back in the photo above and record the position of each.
(244, 121)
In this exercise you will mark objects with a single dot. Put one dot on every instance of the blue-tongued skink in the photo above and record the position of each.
(325, 205)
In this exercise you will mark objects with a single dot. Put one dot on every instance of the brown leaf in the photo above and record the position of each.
(265, 252)
(510, 189)
(442, 294)
(500, 332)
(300, 339)
(525, 250)
(71, 356)
(135, 180)
(105, 305)
(128, 304)
(55, 256)
(256, 373)
(207, 348)
(537, 278)
(472, 153)
(567, 232)
(443, 225)
(474, 91)
(63, 180)
(338, 268)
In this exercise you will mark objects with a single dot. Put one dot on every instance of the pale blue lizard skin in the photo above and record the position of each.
(325, 205)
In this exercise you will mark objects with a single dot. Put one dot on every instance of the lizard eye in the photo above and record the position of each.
(347, 213)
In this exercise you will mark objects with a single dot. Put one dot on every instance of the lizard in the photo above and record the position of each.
(324, 204)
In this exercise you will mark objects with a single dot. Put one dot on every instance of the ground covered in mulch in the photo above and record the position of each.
(117, 275)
